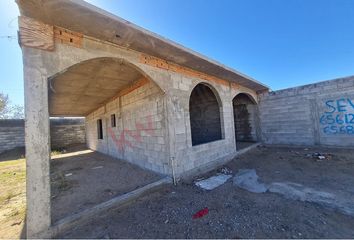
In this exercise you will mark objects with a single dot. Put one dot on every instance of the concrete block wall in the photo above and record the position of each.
(12, 134)
(140, 134)
(252, 118)
(245, 122)
(315, 114)
(189, 159)
(64, 132)
(175, 136)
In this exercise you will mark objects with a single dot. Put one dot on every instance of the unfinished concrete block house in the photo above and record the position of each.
(146, 99)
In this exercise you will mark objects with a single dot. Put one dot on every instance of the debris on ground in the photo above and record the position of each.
(248, 179)
(225, 170)
(98, 167)
(109, 191)
(213, 182)
(295, 152)
(68, 174)
(58, 151)
(319, 156)
(239, 214)
(201, 213)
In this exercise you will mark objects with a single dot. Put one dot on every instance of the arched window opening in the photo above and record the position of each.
(204, 115)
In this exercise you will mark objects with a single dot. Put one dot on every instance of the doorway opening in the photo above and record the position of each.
(245, 120)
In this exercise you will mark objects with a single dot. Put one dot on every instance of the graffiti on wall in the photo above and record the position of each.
(126, 138)
(338, 116)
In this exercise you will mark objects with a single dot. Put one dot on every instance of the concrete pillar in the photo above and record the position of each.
(37, 136)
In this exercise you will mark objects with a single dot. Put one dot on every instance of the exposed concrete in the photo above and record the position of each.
(248, 179)
(315, 114)
(37, 134)
(85, 86)
(204, 115)
(214, 164)
(302, 193)
(154, 127)
(90, 19)
(245, 118)
(213, 182)
(170, 151)
(64, 132)
(140, 135)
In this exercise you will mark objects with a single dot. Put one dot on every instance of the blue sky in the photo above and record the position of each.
(282, 43)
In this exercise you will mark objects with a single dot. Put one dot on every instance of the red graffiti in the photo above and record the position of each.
(123, 139)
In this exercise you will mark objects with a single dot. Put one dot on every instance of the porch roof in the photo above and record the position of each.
(80, 16)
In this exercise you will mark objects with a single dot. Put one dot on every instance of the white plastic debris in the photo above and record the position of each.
(68, 174)
(213, 182)
(98, 167)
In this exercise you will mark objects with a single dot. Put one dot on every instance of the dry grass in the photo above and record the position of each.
(13, 191)
(12, 196)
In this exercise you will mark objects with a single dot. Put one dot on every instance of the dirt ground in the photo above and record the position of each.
(12, 193)
(94, 178)
(237, 213)
(83, 178)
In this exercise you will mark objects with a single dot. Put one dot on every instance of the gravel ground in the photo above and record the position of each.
(236, 213)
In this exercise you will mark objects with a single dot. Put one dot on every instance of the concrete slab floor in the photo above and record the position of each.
(237, 213)
(82, 178)
(242, 145)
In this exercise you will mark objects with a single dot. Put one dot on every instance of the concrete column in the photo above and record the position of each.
(37, 136)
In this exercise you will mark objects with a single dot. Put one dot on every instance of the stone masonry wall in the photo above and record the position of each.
(315, 114)
(63, 132)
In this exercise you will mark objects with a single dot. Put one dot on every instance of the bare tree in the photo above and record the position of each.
(4, 101)
(9, 111)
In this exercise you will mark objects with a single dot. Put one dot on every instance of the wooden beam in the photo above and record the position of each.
(35, 34)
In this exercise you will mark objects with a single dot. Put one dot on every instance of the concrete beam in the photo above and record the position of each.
(90, 19)
(37, 137)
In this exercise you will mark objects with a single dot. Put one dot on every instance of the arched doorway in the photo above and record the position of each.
(87, 85)
(245, 120)
(124, 120)
(205, 119)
